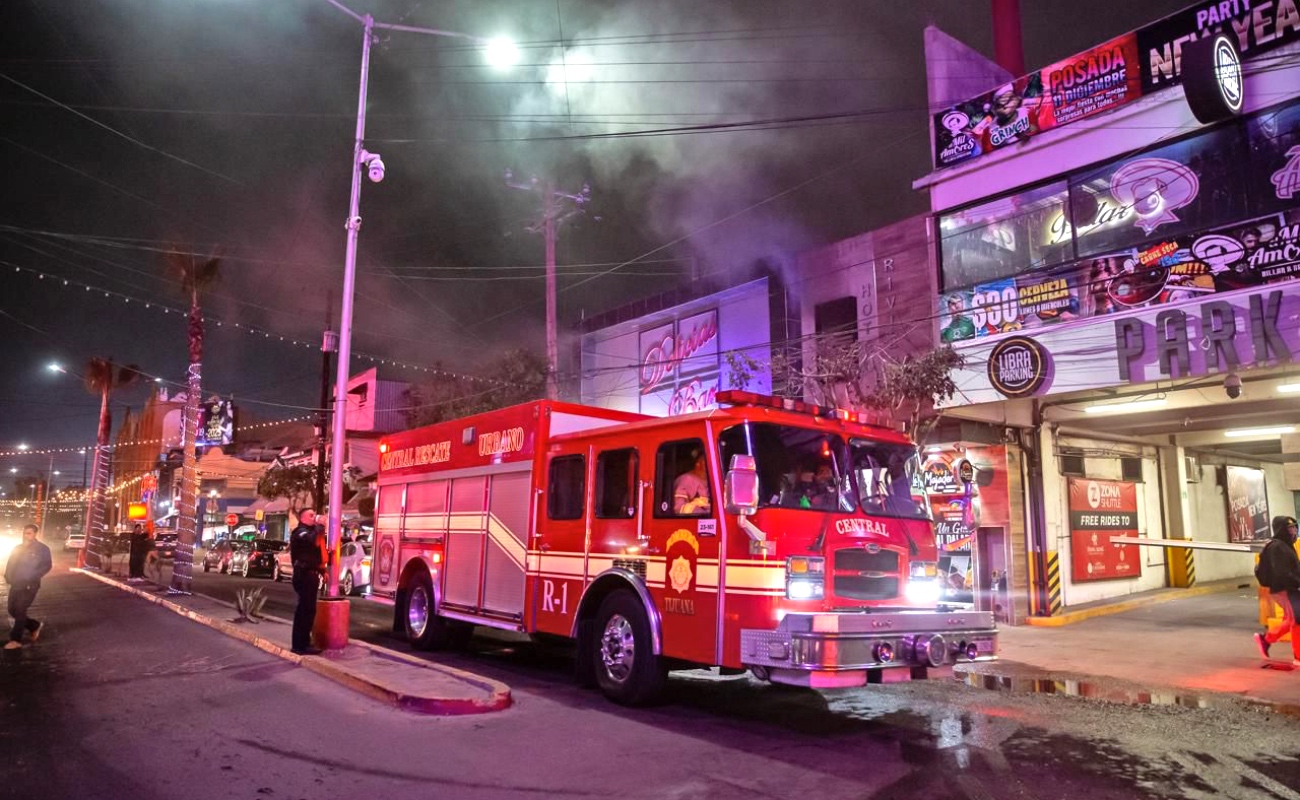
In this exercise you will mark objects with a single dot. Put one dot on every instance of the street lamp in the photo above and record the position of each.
(501, 53)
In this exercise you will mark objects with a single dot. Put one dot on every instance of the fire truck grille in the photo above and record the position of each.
(859, 574)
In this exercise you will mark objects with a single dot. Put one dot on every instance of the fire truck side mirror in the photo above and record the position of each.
(741, 486)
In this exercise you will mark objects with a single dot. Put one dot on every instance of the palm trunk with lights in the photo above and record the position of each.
(95, 501)
(187, 521)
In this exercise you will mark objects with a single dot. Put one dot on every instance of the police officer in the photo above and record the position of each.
(307, 552)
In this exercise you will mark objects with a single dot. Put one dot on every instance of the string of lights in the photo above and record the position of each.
(80, 449)
(252, 330)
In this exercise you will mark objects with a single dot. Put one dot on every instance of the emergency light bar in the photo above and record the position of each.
(737, 397)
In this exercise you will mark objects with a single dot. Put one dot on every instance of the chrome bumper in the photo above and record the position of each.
(859, 641)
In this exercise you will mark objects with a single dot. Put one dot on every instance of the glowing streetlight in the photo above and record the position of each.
(501, 52)
(24, 446)
(55, 366)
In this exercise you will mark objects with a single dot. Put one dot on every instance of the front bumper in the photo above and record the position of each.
(845, 648)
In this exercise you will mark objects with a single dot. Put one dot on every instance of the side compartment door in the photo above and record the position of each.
(388, 527)
(681, 529)
(509, 501)
(560, 544)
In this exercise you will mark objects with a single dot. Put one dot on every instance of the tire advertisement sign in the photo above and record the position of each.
(1247, 505)
(1100, 511)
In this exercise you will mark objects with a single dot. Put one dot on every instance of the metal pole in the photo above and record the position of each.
(329, 343)
(552, 348)
(353, 225)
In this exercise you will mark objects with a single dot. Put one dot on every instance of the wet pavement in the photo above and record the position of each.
(124, 698)
(1192, 650)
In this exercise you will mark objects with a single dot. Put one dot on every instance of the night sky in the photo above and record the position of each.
(128, 127)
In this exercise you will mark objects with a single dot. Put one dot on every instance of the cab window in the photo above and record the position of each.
(681, 480)
(566, 488)
(616, 484)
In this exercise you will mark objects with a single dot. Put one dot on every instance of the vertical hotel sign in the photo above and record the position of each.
(679, 370)
(1099, 511)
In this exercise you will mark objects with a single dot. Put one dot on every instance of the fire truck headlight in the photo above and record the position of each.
(804, 590)
(805, 578)
(922, 592)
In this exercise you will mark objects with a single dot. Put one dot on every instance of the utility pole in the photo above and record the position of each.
(329, 343)
(557, 207)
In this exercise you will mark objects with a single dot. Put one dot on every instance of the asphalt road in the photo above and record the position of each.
(122, 698)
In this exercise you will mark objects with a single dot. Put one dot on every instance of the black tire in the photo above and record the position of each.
(425, 630)
(346, 584)
(275, 572)
(206, 566)
(627, 670)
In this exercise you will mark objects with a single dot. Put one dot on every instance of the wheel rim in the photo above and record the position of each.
(618, 648)
(346, 585)
(417, 611)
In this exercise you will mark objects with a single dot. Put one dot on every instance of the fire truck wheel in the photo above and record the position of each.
(425, 630)
(627, 670)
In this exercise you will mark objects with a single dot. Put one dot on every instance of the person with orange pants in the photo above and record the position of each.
(1279, 572)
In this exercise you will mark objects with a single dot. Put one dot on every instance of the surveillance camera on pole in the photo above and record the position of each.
(374, 164)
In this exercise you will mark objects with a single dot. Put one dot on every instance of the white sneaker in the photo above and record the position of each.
(12, 645)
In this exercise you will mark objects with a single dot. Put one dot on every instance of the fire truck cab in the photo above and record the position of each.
(766, 534)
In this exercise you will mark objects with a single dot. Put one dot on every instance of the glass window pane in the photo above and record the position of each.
(1191, 185)
(616, 484)
(1004, 237)
(567, 488)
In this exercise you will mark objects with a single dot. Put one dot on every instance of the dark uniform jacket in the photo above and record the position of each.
(305, 548)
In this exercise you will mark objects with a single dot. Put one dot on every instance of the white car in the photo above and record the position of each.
(354, 567)
(75, 541)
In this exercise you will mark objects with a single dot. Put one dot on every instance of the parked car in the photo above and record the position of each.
(75, 541)
(257, 557)
(165, 544)
(220, 554)
(354, 567)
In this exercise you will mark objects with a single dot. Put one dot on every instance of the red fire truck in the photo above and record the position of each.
(766, 534)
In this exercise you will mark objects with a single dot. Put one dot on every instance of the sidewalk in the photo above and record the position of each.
(1171, 647)
(395, 678)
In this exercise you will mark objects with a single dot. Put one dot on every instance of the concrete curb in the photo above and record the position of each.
(1071, 617)
(1019, 678)
(498, 694)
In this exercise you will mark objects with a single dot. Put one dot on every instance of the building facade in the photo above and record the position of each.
(1117, 263)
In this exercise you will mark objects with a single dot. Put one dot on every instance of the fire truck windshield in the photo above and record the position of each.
(889, 480)
(797, 467)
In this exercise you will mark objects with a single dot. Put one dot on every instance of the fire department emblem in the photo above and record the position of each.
(1287, 180)
(680, 575)
(386, 562)
(681, 552)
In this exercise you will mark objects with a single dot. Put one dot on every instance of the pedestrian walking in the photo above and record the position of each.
(1279, 572)
(307, 553)
(28, 563)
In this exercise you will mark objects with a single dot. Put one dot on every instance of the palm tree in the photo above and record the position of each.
(196, 276)
(102, 377)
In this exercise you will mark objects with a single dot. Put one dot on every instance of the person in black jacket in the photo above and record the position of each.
(139, 547)
(28, 563)
(307, 552)
(1279, 563)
